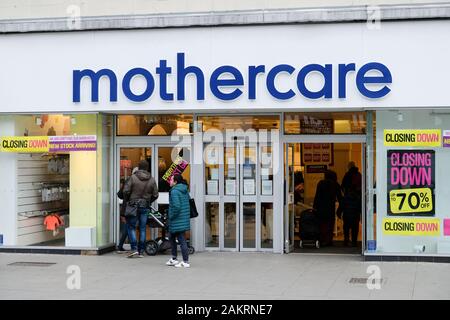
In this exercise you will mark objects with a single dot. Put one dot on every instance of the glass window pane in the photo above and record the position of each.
(63, 183)
(266, 171)
(266, 225)
(249, 227)
(154, 125)
(230, 225)
(130, 158)
(212, 169)
(211, 224)
(270, 122)
(325, 123)
(249, 171)
(230, 171)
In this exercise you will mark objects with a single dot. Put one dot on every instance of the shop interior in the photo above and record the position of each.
(43, 185)
(308, 165)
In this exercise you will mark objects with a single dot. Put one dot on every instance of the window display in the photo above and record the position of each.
(56, 178)
(412, 186)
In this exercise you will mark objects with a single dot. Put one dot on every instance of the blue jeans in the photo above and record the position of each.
(183, 245)
(123, 234)
(131, 224)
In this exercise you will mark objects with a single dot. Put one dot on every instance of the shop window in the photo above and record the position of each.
(154, 125)
(61, 170)
(412, 185)
(325, 123)
(211, 224)
(260, 122)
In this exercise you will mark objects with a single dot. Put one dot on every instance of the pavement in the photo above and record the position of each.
(221, 276)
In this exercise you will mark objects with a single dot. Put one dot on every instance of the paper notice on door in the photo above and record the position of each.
(265, 173)
(212, 155)
(230, 187)
(248, 171)
(214, 173)
(249, 186)
(213, 187)
(266, 159)
(231, 171)
(266, 188)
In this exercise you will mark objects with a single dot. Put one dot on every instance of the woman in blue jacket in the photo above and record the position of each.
(179, 220)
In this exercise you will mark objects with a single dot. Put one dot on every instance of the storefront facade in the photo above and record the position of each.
(236, 110)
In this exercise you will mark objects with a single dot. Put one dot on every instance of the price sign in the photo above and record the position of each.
(411, 200)
(411, 182)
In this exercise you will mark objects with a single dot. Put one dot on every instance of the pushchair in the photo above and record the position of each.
(309, 229)
(157, 219)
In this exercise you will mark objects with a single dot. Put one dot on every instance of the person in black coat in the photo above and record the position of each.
(352, 203)
(327, 193)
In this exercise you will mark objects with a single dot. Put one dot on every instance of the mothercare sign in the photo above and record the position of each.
(411, 182)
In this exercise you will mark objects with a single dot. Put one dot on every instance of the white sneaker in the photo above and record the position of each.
(183, 265)
(133, 254)
(172, 262)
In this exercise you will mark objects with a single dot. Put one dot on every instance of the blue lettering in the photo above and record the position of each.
(215, 82)
(182, 72)
(362, 80)
(343, 70)
(327, 73)
(163, 70)
(271, 82)
(253, 71)
(127, 80)
(227, 82)
(95, 79)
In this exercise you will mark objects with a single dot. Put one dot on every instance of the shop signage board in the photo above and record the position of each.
(446, 139)
(72, 143)
(412, 138)
(43, 144)
(177, 167)
(411, 227)
(316, 168)
(411, 182)
(310, 125)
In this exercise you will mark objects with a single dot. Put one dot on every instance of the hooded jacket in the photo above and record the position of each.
(179, 209)
(141, 186)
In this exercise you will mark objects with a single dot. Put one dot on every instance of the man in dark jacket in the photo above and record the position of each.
(139, 191)
(327, 193)
(352, 204)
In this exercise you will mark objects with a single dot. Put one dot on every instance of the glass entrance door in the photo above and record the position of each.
(162, 160)
(239, 210)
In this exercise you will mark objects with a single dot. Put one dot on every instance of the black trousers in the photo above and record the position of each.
(351, 223)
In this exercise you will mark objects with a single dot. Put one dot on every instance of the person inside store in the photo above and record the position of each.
(352, 203)
(123, 222)
(179, 220)
(163, 185)
(327, 193)
(299, 189)
(140, 191)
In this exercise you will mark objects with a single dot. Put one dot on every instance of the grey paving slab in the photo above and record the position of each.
(221, 276)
